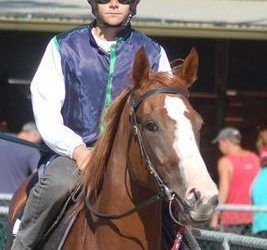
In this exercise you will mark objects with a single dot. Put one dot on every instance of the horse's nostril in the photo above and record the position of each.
(193, 195)
(214, 200)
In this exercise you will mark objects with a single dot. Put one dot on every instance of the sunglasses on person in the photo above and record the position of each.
(120, 1)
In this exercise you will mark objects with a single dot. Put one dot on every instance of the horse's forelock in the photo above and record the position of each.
(167, 79)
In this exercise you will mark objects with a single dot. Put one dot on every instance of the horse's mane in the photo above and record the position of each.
(92, 177)
(93, 174)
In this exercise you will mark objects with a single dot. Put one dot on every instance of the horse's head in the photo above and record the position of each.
(168, 129)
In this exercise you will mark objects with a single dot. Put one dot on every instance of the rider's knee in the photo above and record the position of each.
(61, 176)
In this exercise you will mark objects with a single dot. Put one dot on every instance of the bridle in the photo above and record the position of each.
(140, 137)
(165, 191)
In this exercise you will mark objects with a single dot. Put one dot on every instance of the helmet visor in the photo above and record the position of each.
(120, 1)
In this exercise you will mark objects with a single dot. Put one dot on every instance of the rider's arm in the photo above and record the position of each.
(48, 94)
(164, 64)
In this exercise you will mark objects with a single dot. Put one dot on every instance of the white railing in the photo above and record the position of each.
(242, 208)
(3, 210)
(4, 198)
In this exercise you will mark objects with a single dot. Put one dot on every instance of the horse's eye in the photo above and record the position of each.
(152, 127)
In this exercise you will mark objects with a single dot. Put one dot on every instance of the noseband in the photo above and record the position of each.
(164, 192)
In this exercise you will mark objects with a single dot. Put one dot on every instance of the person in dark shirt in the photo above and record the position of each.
(18, 161)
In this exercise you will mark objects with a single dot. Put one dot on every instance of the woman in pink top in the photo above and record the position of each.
(237, 169)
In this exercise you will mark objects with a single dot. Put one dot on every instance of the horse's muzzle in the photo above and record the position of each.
(201, 212)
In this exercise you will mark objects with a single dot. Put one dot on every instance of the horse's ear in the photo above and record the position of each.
(140, 67)
(188, 70)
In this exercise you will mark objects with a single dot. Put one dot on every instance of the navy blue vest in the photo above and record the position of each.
(86, 69)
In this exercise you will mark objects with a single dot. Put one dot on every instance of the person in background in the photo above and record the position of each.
(18, 161)
(259, 187)
(237, 169)
(261, 143)
(3, 126)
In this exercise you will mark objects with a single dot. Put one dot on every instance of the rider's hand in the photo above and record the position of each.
(81, 155)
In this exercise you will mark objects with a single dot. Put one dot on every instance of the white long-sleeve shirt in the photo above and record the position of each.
(48, 94)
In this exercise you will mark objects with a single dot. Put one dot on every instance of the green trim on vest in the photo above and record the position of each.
(56, 43)
(112, 64)
(110, 75)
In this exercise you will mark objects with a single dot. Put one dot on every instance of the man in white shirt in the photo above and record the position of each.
(81, 72)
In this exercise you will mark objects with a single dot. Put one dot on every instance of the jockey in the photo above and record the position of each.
(81, 72)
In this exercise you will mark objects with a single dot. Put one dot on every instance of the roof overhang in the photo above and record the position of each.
(226, 19)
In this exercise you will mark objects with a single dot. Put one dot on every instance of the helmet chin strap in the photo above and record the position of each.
(127, 21)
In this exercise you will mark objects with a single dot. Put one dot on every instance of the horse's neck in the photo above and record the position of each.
(120, 193)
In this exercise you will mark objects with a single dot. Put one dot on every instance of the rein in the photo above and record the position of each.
(17, 140)
(154, 199)
(164, 190)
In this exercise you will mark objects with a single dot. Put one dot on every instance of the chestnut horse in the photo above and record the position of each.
(147, 156)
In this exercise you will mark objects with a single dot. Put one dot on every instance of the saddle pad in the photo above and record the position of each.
(55, 236)
(56, 239)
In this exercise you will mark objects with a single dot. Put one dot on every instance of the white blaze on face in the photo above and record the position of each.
(191, 163)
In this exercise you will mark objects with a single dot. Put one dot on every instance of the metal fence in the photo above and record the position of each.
(208, 239)
(212, 240)
(4, 202)
(222, 240)
(237, 214)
